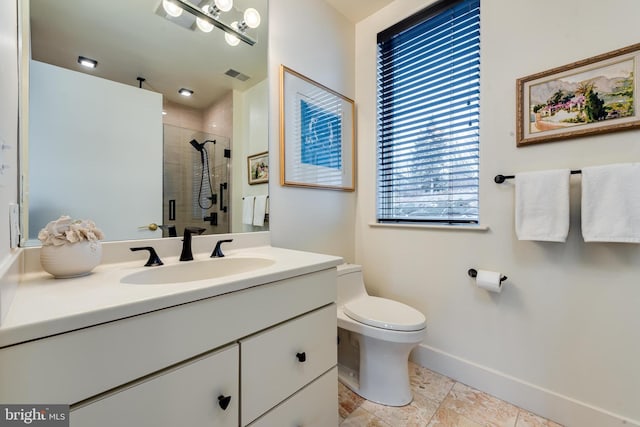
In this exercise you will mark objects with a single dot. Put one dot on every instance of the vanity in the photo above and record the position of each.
(247, 348)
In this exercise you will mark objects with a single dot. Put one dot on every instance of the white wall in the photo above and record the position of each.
(72, 135)
(313, 39)
(564, 333)
(8, 137)
(8, 117)
(251, 136)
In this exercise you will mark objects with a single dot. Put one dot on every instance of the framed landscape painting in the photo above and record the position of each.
(258, 167)
(592, 96)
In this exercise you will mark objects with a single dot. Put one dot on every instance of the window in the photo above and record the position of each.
(428, 116)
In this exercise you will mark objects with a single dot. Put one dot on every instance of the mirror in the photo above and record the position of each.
(117, 143)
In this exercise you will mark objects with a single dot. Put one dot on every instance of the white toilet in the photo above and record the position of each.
(376, 336)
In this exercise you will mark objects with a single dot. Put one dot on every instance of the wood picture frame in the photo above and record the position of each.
(317, 134)
(258, 168)
(588, 97)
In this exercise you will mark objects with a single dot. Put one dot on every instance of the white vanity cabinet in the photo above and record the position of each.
(202, 392)
(309, 407)
(282, 360)
(169, 367)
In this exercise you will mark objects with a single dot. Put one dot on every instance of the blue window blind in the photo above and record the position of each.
(428, 116)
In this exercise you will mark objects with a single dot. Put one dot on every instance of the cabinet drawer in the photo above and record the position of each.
(316, 405)
(187, 395)
(276, 363)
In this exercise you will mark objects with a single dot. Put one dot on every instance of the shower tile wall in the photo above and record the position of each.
(181, 116)
(181, 125)
(181, 173)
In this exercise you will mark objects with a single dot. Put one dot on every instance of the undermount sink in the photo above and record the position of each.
(192, 271)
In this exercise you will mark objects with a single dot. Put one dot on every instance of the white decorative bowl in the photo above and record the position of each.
(71, 260)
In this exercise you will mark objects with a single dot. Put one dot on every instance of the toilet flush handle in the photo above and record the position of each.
(302, 357)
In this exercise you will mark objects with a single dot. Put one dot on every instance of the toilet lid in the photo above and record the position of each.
(385, 313)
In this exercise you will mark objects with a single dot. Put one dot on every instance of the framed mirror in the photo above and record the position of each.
(117, 143)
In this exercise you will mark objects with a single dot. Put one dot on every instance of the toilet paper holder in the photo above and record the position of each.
(472, 272)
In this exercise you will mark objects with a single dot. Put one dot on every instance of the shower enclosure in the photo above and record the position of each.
(196, 183)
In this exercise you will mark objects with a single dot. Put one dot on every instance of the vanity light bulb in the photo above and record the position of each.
(230, 38)
(251, 18)
(204, 26)
(171, 8)
(224, 5)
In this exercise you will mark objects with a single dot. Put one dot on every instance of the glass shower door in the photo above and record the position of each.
(196, 181)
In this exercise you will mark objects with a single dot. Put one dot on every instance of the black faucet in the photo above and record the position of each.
(153, 260)
(217, 252)
(186, 254)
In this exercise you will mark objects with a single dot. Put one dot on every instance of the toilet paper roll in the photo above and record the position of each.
(489, 280)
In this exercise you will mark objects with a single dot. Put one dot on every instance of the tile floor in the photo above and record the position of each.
(437, 401)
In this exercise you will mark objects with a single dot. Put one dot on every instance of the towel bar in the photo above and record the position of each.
(499, 179)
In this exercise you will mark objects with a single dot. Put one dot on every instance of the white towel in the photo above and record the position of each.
(259, 209)
(611, 203)
(542, 205)
(247, 210)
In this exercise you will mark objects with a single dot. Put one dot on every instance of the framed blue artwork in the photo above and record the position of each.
(317, 144)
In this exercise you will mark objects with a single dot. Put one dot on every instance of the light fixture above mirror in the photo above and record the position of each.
(210, 14)
(222, 5)
(171, 8)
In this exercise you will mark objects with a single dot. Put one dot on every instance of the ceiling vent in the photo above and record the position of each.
(237, 75)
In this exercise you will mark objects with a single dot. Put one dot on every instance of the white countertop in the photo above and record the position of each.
(44, 306)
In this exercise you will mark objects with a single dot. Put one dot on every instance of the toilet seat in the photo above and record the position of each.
(385, 314)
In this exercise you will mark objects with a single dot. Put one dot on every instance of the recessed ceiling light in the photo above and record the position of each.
(185, 92)
(87, 62)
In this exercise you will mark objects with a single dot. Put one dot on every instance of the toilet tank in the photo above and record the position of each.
(350, 283)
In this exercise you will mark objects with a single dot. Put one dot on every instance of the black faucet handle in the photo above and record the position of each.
(217, 251)
(154, 259)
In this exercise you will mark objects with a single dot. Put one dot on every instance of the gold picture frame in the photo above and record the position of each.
(258, 168)
(317, 134)
(588, 97)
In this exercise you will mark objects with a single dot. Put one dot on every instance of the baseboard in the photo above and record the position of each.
(546, 403)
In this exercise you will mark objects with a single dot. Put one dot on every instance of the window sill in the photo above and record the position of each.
(479, 227)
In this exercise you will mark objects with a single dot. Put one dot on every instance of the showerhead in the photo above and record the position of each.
(197, 145)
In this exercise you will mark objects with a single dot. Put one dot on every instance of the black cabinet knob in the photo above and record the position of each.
(224, 401)
(302, 357)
